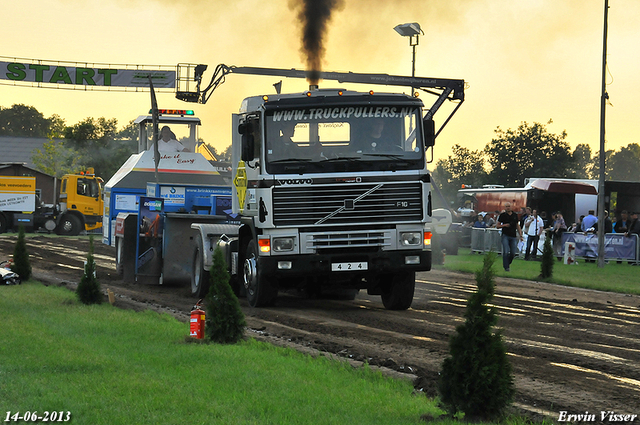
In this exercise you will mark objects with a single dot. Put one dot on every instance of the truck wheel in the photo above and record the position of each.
(70, 225)
(398, 293)
(199, 276)
(260, 290)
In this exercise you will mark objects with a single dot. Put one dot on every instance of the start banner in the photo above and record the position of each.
(85, 76)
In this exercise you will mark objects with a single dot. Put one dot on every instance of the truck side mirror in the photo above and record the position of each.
(429, 127)
(249, 129)
(248, 142)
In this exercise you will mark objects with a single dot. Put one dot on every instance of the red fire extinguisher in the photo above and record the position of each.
(197, 321)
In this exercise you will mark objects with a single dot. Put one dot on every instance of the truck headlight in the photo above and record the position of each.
(282, 244)
(411, 238)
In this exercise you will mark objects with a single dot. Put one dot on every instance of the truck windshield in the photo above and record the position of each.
(347, 138)
(88, 187)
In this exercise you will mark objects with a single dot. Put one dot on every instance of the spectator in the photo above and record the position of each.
(550, 223)
(559, 227)
(543, 216)
(510, 225)
(608, 226)
(473, 217)
(589, 221)
(533, 228)
(480, 224)
(634, 225)
(489, 221)
(634, 228)
(622, 225)
(526, 213)
(579, 229)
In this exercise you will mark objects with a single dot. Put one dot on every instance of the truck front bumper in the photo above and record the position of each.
(351, 265)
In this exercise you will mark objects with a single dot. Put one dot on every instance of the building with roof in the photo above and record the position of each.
(20, 149)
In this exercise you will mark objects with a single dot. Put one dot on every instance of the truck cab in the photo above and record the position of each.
(333, 190)
(80, 203)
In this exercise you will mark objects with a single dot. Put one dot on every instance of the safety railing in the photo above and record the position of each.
(618, 247)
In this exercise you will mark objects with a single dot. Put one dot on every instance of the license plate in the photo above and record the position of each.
(347, 267)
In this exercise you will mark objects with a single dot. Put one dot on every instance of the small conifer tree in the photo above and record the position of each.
(476, 379)
(88, 290)
(224, 322)
(546, 268)
(21, 264)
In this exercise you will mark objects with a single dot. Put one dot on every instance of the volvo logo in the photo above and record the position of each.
(294, 181)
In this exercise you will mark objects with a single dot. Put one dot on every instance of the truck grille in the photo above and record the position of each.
(357, 239)
(347, 204)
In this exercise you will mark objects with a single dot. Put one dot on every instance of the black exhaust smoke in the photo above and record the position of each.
(314, 16)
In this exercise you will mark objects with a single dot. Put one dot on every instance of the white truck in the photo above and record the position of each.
(330, 192)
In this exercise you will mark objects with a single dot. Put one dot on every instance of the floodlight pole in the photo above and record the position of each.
(603, 103)
(413, 62)
(412, 31)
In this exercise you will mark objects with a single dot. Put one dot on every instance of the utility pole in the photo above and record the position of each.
(603, 103)
(154, 114)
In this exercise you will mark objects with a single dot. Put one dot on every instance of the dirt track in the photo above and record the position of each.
(571, 349)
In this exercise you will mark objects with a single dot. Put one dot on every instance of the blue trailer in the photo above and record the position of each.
(148, 235)
(148, 211)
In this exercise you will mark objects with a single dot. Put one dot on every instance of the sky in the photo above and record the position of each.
(522, 60)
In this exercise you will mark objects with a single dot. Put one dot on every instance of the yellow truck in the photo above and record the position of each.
(79, 206)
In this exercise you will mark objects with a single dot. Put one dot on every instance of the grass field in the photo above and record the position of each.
(105, 365)
(110, 366)
(613, 277)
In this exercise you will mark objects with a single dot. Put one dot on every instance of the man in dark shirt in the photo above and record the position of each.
(510, 225)
(634, 225)
(608, 225)
(621, 225)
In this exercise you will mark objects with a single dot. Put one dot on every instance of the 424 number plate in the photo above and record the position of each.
(348, 267)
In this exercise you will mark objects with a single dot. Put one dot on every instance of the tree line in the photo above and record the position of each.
(512, 155)
(92, 142)
(530, 151)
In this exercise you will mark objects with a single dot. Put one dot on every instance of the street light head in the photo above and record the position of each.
(408, 30)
